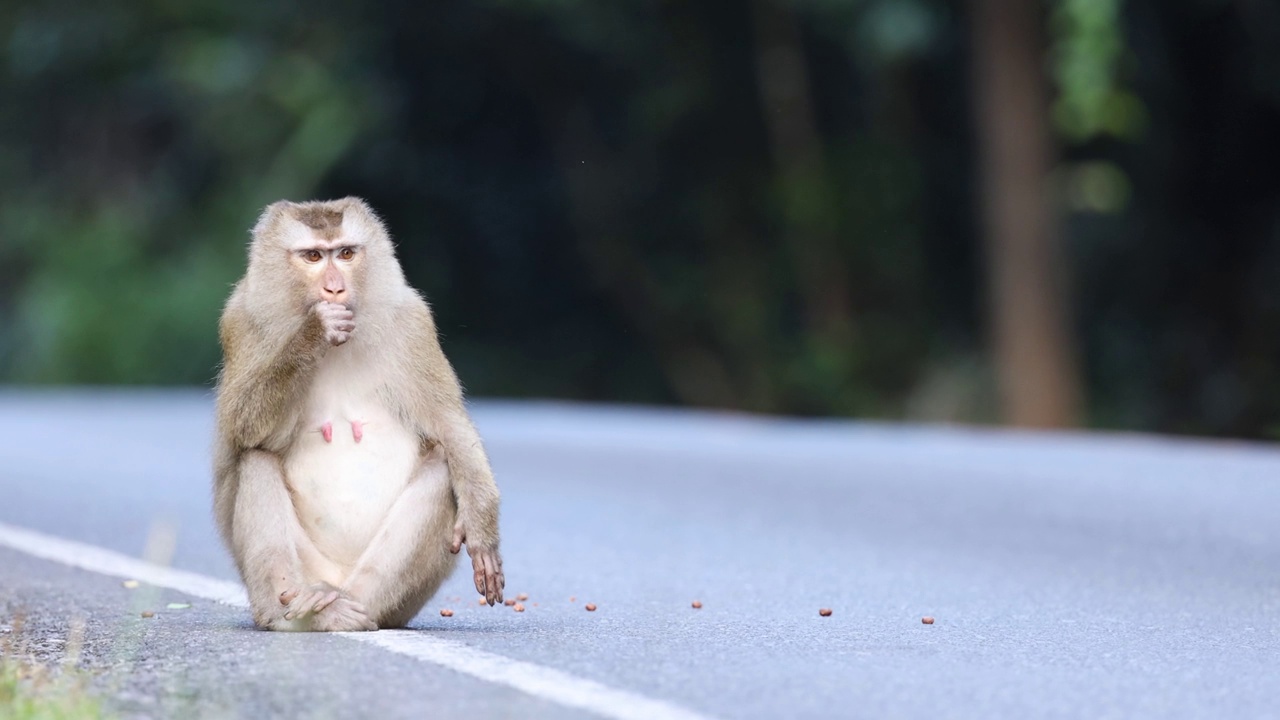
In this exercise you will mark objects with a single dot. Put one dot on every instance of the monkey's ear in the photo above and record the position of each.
(351, 202)
(271, 214)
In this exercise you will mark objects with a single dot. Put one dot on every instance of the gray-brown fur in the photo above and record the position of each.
(273, 340)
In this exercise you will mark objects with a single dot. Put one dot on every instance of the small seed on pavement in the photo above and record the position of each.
(825, 612)
(509, 602)
(573, 598)
(522, 597)
(481, 601)
(446, 613)
(926, 620)
(519, 607)
(697, 604)
(591, 607)
(147, 614)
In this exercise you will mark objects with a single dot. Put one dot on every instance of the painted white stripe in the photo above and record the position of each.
(536, 680)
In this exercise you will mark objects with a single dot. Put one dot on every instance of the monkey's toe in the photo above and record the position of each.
(343, 615)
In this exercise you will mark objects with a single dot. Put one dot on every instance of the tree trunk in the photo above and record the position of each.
(1032, 344)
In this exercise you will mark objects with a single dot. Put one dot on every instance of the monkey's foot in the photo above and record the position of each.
(300, 603)
(327, 431)
(343, 615)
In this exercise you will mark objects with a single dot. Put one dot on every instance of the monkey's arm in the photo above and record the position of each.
(441, 417)
(261, 376)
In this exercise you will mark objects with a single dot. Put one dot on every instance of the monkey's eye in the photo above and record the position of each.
(346, 253)
(312, 256)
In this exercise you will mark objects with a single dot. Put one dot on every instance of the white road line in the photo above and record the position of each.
(536, 680)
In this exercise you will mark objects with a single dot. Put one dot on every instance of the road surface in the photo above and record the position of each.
(1069, 575)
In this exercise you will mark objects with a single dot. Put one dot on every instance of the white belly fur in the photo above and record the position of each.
(342, 490)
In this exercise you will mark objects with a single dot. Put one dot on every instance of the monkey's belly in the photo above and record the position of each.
(343, 489)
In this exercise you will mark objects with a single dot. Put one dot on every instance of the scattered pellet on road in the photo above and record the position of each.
(480, 601)
(573, 598)
(825, 612)
(522, 597)
(697, 604)
(147, 614)
(519, 607)
(926, 620)
(591, 607)
(509, 602)
(446, 612)
(131, 584)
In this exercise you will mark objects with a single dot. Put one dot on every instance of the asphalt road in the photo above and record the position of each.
(1069, 575)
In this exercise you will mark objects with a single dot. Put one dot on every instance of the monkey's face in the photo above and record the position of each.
(329, 269)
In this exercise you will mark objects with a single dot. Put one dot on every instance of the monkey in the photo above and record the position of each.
(347, 470)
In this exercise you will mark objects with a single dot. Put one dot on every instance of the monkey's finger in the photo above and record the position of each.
(477, 572)
(305, 605)
(326, 601)
(485, 584)
(492, 590)
(287, 596)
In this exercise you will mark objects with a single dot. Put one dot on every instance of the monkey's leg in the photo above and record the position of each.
(270, 546)
(409, 558)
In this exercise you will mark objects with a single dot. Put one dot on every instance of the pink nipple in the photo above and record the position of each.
(327, 431)
(357, 429)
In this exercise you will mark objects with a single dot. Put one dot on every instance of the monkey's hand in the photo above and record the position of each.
(338, 322)
(486, 566)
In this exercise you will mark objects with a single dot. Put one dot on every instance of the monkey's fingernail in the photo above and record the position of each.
(288, 616)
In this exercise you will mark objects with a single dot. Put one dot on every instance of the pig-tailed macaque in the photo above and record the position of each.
(348, 474)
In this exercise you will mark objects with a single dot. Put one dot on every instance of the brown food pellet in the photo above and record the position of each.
(926, 620)
(148, 613)
(825, 612)
(446, 613)
(519, 607)
(697, 604)
(573, 598)
(591, 607)
(481, 601)
(522, 597)
(509, 602)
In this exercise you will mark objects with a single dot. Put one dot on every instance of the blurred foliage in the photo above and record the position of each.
(765, 205)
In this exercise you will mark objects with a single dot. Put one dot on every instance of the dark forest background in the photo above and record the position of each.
(1064, 213)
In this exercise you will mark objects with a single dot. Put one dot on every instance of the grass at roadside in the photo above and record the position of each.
(30, 692)
(35, 690)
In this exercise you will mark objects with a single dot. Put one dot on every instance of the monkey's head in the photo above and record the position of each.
(303, 253)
